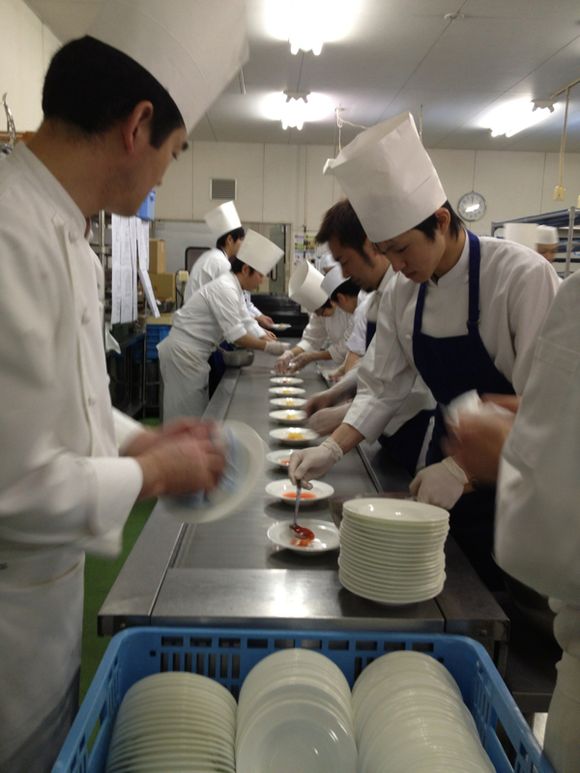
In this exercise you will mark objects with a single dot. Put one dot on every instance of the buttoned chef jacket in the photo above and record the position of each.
(215, 313)
(63, 487)
(328, 334)
(517, 287)
(357, 340)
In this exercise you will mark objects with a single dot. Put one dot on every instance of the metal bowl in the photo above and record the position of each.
(238, 358)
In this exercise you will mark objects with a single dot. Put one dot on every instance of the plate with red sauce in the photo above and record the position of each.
(326, 536)
(280, 458)
(285, 491)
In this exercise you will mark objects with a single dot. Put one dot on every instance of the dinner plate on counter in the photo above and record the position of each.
(325, 536)
(244, 463)
(280, 458)
(288, 416)
(286, 380)
(294, 435)
(280, 326)
(285, 491)
(288, 402)
(286, 391)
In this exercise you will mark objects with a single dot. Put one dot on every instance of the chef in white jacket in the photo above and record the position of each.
(463, 312)
(110, 130)
(324, 337)
(214, 313)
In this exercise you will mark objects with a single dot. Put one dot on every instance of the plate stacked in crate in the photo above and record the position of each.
(172, 722)
(295, 714)
(408, 710)
(391, 550)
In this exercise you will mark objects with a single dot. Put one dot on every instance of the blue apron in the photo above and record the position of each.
(404, 446)
(451, 366)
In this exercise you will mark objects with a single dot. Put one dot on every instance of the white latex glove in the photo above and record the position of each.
(275, 347)
(282, 363)
(313, 462)
(299, 362)
(327, 420)
(439, 484)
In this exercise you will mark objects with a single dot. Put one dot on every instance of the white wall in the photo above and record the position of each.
(284, 183)
(26, 47)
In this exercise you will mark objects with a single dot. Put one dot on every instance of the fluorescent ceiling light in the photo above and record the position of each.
(294, 109)
(514, 116)
(308, 24)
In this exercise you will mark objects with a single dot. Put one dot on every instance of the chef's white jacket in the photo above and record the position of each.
(538, 508)
(357, 340)
(517, 287)
(63, 487)
(215, 313)
(206, 268)
(328, 334)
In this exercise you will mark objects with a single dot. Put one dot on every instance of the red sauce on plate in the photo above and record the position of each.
(304, 495)
(305, 536)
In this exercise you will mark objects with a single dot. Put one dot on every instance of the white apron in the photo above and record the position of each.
(185, 375)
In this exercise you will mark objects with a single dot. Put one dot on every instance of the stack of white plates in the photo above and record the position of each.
(294, 714)
(391, 550)
(409, 716)
(174, 722)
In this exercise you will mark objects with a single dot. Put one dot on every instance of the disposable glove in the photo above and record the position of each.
(299, 362)
(275, 347)
(327, 420)
(282, 363)
(439, 484)
(313, 462)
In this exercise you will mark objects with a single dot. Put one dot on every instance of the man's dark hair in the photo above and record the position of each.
(430, 224)
(326, 305)
(237, 233)
(237, 266)
(341, 222)
(92, 86)
(348, 287)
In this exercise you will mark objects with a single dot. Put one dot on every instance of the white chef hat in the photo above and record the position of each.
(389, 178)
(326, 262)
(333, 279)
(547, 234)
(259, 253)
(223, 219)
(522, 233)
(305, 287)
(192, 47)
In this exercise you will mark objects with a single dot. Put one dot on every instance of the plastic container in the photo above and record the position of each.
(155, 334)
(227, 655)
(147, 209)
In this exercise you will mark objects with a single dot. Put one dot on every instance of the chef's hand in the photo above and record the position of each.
(269, 336)
(264, 321)
(440, 484)
(334, 375)
(281, 364)
(477, 442)
(181, 464)
(299, 362)
(275, 347)
(313, 462)
(202, 430)
(327, 420)
(319, 401)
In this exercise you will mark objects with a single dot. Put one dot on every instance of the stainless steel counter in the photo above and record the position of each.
(227, 573)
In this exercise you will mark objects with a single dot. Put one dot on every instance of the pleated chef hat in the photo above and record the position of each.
(326, 263)
(192, 47)
(547, 234)
(522, 233)
(305, 287)
(223, 219)
(259, 253)
(333, 279)
(389, 178)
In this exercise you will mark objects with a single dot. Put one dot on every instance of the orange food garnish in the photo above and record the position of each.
(304, 495)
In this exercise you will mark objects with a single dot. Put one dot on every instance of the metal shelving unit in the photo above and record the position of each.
(567, 221)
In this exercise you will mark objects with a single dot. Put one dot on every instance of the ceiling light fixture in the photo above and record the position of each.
(294, 110)
(515, 116)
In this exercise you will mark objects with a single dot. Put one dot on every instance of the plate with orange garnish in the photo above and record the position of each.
(285, 491)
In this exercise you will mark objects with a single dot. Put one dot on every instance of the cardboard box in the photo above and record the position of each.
(157, 256)
(163, 286)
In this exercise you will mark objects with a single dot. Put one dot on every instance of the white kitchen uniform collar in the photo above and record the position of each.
(458, 274)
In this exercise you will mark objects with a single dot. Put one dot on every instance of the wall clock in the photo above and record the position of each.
(471, 206)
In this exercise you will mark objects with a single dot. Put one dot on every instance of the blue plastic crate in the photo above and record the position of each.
(155, 334)
(227, 655)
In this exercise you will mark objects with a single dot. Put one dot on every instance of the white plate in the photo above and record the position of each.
(325, 536)
(284, 490)
(294, 435)
(286, 390)
(288, 402)
(288, 416)
(286, 380)
(280, 326)
(280, 458)
(244, 463)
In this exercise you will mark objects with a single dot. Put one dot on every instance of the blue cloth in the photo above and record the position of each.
(451, 366)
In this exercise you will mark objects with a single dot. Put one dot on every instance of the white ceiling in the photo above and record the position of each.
(402, 55)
